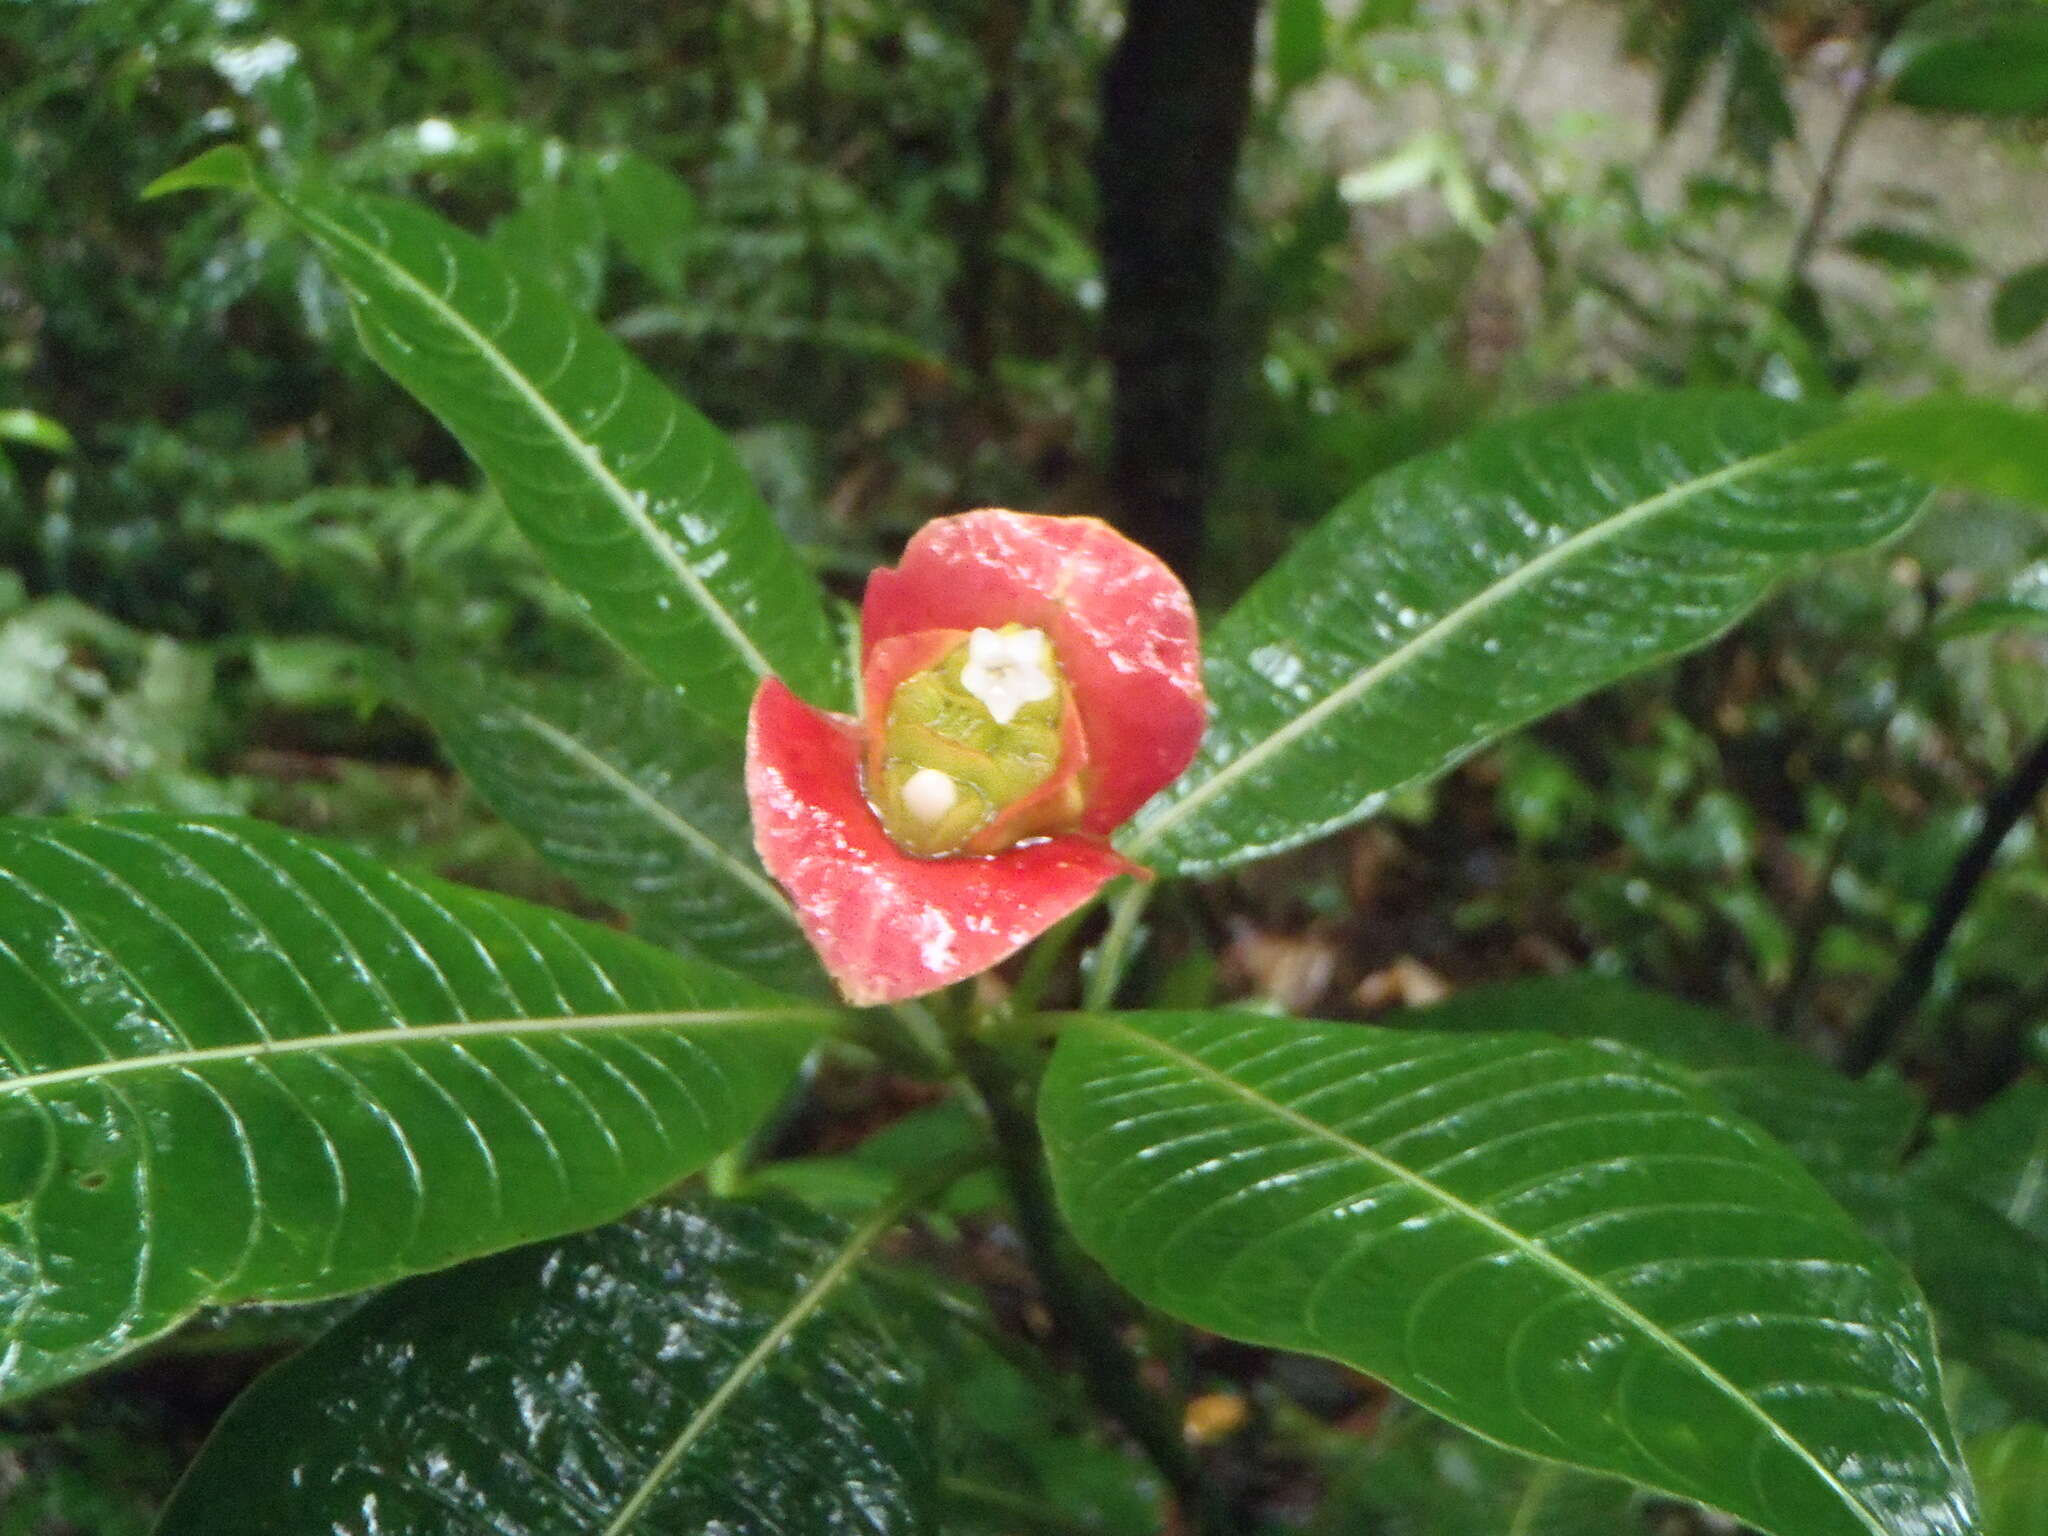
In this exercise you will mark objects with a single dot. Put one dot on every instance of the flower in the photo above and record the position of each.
(1027, 683)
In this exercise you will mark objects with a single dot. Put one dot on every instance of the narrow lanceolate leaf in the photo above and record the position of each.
(711, 1366)
(237, 1064)
(1558, 1245)
(624, 791)
(637, 503)
(1474, 589)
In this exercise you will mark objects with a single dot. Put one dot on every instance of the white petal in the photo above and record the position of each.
(1006, 672)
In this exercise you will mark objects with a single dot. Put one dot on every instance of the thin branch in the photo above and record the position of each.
(1079, 1309)
(1888, 1017)
(1862, 97)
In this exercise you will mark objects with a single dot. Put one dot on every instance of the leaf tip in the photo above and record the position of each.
(225, 165)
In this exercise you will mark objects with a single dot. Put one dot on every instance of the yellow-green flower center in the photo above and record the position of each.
(967, 739)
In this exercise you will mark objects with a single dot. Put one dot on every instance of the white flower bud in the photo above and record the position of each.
(929, 793)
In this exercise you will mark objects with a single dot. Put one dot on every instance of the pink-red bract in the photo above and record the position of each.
(891, 926)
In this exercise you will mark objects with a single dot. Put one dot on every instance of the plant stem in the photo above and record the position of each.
(1888, 1017)
(1037, 972)
(1862, 97)
(1079, 1309)
(1113, 953)
(917, 1043)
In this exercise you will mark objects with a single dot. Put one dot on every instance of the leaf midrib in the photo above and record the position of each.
(1529, 1249)
(814, 1295)
(407, 1035)
(615, 492)
(757, 884)
(1450, 623)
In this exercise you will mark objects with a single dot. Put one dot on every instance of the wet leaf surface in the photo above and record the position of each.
(1474, 589)
(240, 1064)
(625, 792)
(713, 1366)
(1561, 1246)
(636, 503)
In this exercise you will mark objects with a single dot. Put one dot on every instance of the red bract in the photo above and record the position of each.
(1121, 636)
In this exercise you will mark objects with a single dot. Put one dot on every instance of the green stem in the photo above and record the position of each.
(1113, 954)
(1046, 954)
(1080, 1310)
(918, 1040)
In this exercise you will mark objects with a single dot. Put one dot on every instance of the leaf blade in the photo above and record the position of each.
(1410, 1204)
(636, 502)
(242, 1065)
(706, 1365)
(1474, 589)
(1841, 1128)
(619, 787)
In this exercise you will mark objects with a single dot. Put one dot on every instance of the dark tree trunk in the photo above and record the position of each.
(1175, 99)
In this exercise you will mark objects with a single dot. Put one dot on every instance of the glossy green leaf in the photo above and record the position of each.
(624, 791)
(711, 1366)
(1556, 1244)
(237, 1064)
(556, 237)
(1471, 590)
(2011, 1468)
(1851, 1133)
(1836, 1125)
(1990, 59)
(637, 503)
(2020, 306)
